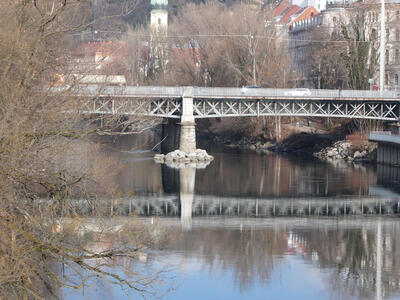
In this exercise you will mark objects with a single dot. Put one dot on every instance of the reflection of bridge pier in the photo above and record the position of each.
(187, 177)
(378, 281)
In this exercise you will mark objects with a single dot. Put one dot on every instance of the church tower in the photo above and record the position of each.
(159, 16)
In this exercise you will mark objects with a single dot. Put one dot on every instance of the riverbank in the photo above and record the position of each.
(305, 141)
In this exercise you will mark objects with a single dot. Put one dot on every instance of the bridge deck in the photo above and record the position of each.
(228, 93)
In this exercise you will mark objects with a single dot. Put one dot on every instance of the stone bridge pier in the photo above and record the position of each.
(181, 135)
(187, 125)
(186, 131)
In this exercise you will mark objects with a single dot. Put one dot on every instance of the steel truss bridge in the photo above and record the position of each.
(202, 102)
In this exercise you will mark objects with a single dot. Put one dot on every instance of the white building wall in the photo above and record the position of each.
(319, 5)
(159, 20)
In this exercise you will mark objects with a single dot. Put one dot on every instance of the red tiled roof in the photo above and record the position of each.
(286, 17)
(91, 48)
(280, 8)
(304, 13)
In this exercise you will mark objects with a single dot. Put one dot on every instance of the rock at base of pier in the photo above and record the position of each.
(179, 159)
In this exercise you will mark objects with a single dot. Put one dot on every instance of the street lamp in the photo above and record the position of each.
(382, 48)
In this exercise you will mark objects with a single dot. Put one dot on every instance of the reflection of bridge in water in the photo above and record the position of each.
(183, 202)
(188, 204)
(204, 205)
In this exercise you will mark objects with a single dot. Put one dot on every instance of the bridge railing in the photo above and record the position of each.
(129, 91)
(218, 92)
(221, 92)
(164, 91)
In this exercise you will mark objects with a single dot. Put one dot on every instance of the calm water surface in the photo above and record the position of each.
(261, 226)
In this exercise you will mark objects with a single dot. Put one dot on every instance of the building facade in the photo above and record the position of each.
(305, 36)
(301, 34)
(319, 5)
(392, 32)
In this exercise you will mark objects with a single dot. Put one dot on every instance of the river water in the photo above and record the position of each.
(260, 226)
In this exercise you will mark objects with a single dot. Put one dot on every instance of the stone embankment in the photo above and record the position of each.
(181, 159)
(243, 143)
(344, 150)
(323, 146)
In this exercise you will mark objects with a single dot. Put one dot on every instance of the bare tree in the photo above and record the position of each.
(361, 57)
(235, 45)
(328, 69)
(232, 46)
(37, 181)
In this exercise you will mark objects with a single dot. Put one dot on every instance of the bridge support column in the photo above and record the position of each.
(188, 137)
(188, 126)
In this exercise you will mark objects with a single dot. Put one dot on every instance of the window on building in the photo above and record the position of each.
(397, 56)
(334, 19)
(387, 34)
(159, 21)
(396, 79)
(386, 79)
(373, 34)
(387, 57)
(397, 35)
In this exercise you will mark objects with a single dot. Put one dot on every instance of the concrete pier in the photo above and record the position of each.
(187, 153)
(188, 126)
(187, 137)
(181, 134)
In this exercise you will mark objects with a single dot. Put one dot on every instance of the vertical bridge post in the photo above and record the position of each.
(188, 126)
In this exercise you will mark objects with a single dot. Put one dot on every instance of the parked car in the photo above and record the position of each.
(299, 92)
(246, 88)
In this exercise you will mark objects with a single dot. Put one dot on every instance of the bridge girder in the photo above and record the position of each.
(219, 108)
